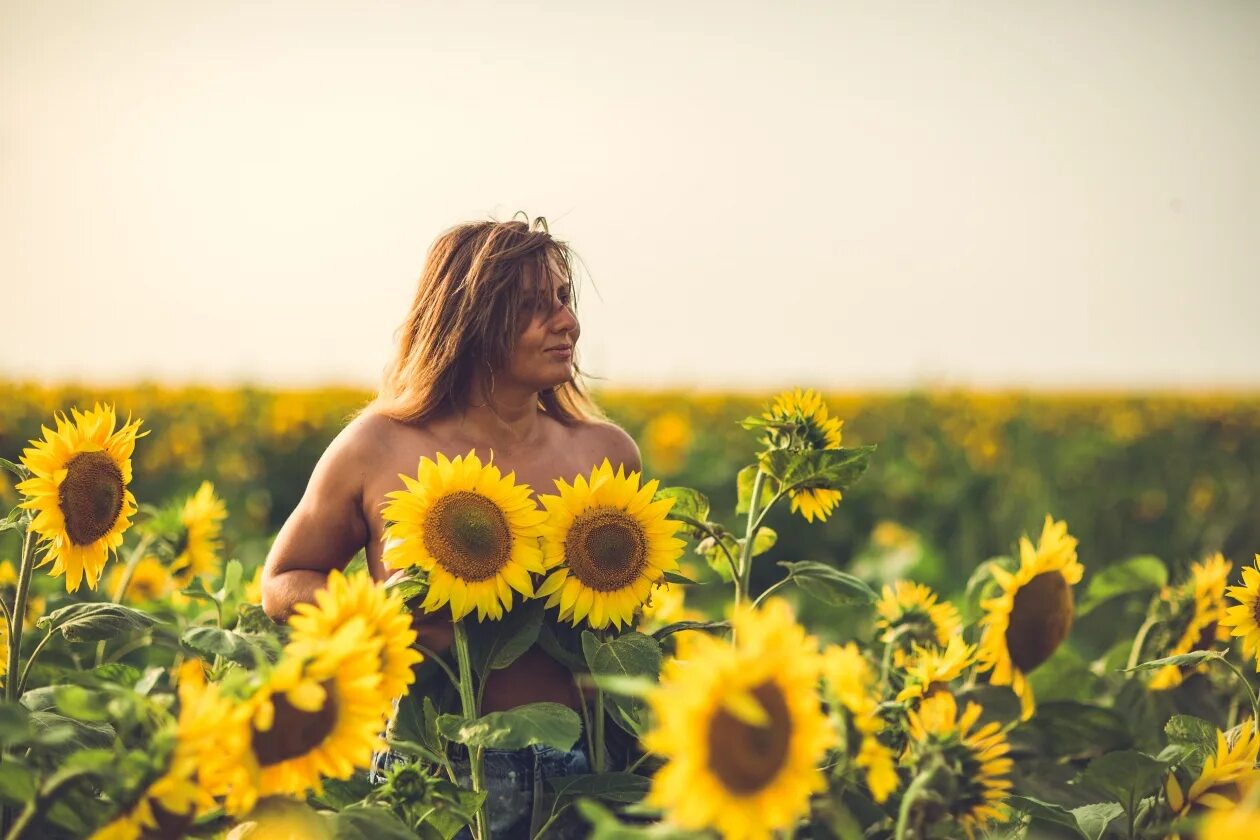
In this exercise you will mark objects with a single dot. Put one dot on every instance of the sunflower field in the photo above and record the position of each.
(844, 616)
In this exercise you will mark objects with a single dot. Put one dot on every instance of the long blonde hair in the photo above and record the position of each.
(466, 313)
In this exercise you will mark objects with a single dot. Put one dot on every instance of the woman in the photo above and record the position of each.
(486, 361)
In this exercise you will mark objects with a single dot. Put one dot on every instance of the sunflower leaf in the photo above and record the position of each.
(550, 724)
(744, 486)
(13, 521)
(674, 577)
(688, 503)
(764, 541)
(209, 642)
(497, 644)
(95, 622)
(1192, 658)
(828, 584)
(618, 787)
(17, 469)
(369, 822)
(678, 626)
(1092, 820)
(1135, 575)
(832, 469)
(1125, 776)
(627, 655)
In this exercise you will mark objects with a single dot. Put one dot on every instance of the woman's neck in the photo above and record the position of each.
(507, 421)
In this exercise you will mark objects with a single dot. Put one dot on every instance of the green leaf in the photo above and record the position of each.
(95, 622)
(1126, 776)
(627, 655)
(1092, 820)
(678, 626)
(370, 822)
(1144, 573)
(1191, 731)
(17, 783)
(551, 724)
(252, 619)
(497, 644)
(744, 487)
(833, 469)
(606, 826)
(19, 471)
(15, 722)
(674, 577)
(1043, 810)
(622, 788)
(81, 703)
(1065, 676)
(209, 642)
(688, 503)
(764, 541)
(828, 584)
(1181, 659)
(13, 521)
(231, 580)
(630, 654)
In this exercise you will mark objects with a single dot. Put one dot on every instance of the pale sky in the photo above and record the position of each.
(841, 194)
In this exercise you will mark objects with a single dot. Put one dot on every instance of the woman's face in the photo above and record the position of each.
(543, 357)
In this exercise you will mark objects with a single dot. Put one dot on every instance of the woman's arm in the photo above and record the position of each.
(324, 531)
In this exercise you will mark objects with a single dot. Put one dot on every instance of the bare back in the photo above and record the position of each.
(341, 513)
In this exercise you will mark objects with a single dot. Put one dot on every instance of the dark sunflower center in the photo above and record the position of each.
(1255, 611)
(812, 434)
(91, 496)
(915, 625)
(469, 535)
(1207, 637)
(1040, 620)
(606, 549)
(169, 826)
(294, 732)
(747, 758)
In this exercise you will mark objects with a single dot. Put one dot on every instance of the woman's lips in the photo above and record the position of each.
(561, 352)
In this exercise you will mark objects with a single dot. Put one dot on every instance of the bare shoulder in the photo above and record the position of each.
(603, 439)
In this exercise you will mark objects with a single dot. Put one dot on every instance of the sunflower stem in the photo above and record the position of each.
(469, 702)
(750, 533)
(599, 730)
(1251, 694)
(1136, 651)
(913, 794)
(129, 571)
(764, 595)
(30, 660)
(19, 614)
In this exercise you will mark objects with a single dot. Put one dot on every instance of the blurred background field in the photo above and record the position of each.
(957, 477)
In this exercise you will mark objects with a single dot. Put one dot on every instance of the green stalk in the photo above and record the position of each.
(19, 614)
(129, 571)
(1251, 695)
(468, 701)
(599, 730)
(1135, 652)
(754, 522)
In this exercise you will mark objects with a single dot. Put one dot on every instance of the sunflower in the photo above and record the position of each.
(851, 683)
(1225, 774)
(606, 544)
(802, 422)
(197, 550)
(472, 529)
(150, 581)
(78, 489)
(909, 614)
(931, 669)
(666, 605)
(1244, 619)
(208, 740)
(319, 714)
(1026, 623)
(1234, 824)
(347, 597)
(740, 727)
(1203, 598)
(980, 784)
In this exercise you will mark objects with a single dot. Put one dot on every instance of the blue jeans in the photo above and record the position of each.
(515, 782)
